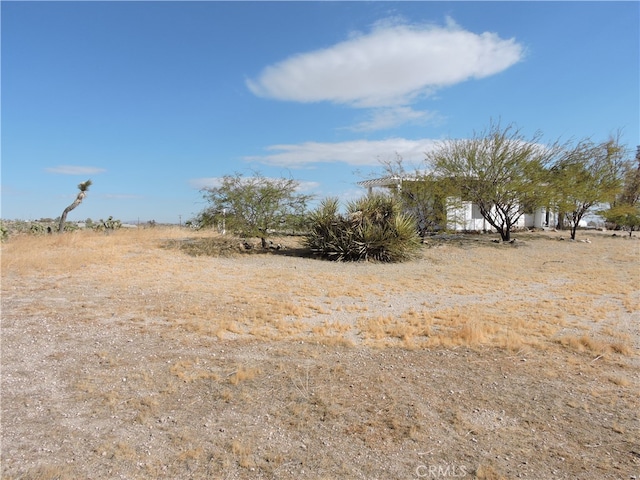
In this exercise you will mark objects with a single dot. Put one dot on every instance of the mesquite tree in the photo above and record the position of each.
(254, 206)
(585, 176)
(421, 194)
(498, 170)
(83, 187)
(624, 211)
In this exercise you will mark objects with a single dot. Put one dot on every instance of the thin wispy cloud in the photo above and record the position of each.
(213, 182)
(307, 186)
(205, 182)
(75, 170)
(393, 65)
(357, 153)
(386, 118)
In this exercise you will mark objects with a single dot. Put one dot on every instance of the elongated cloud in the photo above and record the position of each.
(384, 118)
(391, 66)
(212, 182)
(357, 152)
(75, 170)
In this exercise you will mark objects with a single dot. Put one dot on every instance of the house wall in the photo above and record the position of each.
(542, 218)
(466, 216)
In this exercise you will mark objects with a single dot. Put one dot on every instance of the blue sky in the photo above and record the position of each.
(154, 100)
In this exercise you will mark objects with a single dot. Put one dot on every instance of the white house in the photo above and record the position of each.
(465, 215)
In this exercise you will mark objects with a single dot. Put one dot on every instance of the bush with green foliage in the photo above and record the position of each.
(108, 224)
(4, 232)
(254, 206)
(624, 211)
(374, 228)
(37, 228)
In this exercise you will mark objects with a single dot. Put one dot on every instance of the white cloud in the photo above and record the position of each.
(75, 170)
(391, 66)
(307, 186)
(205, 182)
(351, 195)
(384, 118)
(357, 152)
(212, 182)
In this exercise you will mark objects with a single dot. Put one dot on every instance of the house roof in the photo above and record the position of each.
(389, 181)
(381, 182)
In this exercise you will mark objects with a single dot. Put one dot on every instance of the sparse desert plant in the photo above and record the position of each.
(586, 175)
(214, 246)
(624, 211)
(374, 228)
(242, 374)
(243, 452)
(108, 224)
(83, 187)
(253, 207)
(37, 229)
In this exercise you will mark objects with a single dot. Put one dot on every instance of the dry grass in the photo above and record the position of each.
(542, 293)
(165, 353)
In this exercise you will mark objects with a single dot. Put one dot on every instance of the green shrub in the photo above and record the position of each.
(108, 224)
(374, 228)
(4, 232)
(37, 229)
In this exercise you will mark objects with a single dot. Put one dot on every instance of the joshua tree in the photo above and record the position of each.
(84, 186)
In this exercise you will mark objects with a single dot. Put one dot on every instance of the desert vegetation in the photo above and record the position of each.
(83, 187)
(507, 175)
(173, 353)
(373, 228)
(202, 352)
(253, 206)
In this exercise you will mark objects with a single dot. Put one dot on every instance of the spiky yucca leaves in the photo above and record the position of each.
(374, 228)
(323, 236)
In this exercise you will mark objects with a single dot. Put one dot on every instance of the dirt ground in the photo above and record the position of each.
(125, 358)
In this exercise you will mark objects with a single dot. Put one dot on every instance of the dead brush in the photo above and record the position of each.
(511, 341)
(191, 371)
(302, 384)
(216, 246)
(243, 374)
(586, 343)
(243, 453)
(473, 333)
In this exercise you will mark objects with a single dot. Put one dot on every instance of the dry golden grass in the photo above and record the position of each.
(145, 359)
(544, 292)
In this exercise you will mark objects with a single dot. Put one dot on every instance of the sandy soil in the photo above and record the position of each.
(111, 377)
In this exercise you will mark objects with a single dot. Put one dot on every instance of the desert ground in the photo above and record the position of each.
(167, 353)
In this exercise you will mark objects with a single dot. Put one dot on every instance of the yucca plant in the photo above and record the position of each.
(374, 228)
